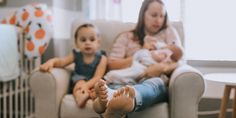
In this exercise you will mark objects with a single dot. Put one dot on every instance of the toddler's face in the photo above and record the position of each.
(87, 40)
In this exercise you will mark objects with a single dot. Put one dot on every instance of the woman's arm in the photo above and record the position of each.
(57, 62)
(117, 58)
(119, 63)
(160, 68)
(100, 71)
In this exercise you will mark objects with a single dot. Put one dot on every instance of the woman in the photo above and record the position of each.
(152, 21)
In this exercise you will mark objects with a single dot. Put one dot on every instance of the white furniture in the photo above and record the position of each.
(52, 101)
(229, 79)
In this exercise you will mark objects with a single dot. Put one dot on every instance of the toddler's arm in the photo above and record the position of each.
(99, 73)
(57, 62)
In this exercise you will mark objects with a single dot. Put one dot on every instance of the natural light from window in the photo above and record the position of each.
(209, 25)
(130, 10)
(210, 29)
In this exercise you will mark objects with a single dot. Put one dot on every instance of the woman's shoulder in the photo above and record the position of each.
(170, 32)
(126, 35)
(170, 29)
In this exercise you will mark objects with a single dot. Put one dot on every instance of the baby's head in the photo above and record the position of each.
(87, 38)
(176, 52)
(149, 42)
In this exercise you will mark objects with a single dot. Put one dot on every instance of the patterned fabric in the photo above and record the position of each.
(36, 22)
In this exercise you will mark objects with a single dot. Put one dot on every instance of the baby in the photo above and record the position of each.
(152, 52)
(90, 63)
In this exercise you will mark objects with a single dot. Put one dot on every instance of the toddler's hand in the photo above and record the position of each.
(141, 77)
(46, 66)
(92, 94)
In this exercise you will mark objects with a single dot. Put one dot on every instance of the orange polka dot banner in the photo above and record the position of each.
(36, 22)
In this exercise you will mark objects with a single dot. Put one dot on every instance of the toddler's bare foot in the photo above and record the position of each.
(92, 94)
(100, 103)
(81, 98)
(123, 100)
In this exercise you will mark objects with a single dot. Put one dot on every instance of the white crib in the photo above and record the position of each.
(16, 100)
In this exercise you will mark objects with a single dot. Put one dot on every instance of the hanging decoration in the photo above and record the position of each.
(36, 21)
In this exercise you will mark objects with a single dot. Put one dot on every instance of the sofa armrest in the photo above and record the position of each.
(186, 88)
(49, 89)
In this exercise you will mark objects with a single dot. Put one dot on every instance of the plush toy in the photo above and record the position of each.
(36, 22)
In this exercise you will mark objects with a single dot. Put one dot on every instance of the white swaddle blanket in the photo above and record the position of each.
(9, 68)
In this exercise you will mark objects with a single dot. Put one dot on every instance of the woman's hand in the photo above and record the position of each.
(114, 63)
(160, 68)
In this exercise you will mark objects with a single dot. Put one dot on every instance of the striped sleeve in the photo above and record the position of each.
(119, 47)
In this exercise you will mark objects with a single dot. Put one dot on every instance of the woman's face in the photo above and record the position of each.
(154, 18)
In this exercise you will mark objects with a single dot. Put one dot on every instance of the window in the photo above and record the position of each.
(209, 25)
(130, 9)
(210, 29)
(125, 10)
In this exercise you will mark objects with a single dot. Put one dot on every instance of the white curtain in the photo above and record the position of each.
(105, 9)
(126, 10)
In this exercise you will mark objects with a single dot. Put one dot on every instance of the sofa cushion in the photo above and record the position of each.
(157, 111)
(70, 110)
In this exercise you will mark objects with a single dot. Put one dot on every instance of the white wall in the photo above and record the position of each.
(5, 11)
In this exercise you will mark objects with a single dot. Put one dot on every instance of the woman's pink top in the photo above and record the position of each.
(124, 46)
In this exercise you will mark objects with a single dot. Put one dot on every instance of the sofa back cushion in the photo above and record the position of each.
(111, 29)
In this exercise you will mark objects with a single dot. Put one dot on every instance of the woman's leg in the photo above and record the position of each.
(145, 94)
(150, 92)
(142, 95)
(104, 94)
(119, 102)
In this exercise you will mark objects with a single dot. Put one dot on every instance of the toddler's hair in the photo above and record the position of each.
(85, 26)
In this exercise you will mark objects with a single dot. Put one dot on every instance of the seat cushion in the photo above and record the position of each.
(157, 111)
(70, 110)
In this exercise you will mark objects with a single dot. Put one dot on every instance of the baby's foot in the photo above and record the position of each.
(100, 103)
(123, 100)
(81, 98)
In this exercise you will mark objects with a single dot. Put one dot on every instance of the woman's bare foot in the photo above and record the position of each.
(123, 100)
(100, 103)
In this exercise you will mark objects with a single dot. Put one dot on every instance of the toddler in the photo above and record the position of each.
(90, 63)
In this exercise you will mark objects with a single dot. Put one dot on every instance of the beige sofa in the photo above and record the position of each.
(52, 101)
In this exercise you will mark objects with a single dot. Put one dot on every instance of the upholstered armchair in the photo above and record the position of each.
(186, 86)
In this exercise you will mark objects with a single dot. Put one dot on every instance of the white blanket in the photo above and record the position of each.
(9, 68)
